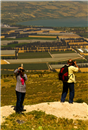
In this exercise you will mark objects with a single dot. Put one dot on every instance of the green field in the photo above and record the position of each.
(28, 38)
(83, 34)
(8, 69)
(28, 55)
(57, 52)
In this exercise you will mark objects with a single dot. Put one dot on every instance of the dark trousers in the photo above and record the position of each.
(20, 99)
(67, 86)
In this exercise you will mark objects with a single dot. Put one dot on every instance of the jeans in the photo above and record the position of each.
(20, 99)
(67, 86)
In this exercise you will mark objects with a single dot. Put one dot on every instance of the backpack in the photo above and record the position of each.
(63, 74)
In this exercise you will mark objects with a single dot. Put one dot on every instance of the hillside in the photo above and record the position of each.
(58, 109)
(44, 94)
(13, 12)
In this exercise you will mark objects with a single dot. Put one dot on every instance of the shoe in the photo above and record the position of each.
(62, 101)
(23, 110)
(19, 112)
(71, 102)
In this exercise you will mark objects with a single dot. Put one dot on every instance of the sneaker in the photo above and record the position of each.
(19, 112)
(23, 110)
(71, 102)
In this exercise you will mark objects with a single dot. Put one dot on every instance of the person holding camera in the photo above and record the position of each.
(20, 88)
(73, 67)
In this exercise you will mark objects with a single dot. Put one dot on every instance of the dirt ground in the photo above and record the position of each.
(62, 110)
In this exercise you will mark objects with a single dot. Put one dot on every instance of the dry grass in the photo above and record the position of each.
(81, 69)
(84, 69)
(42, 36)
(43, 88)
(69, 36)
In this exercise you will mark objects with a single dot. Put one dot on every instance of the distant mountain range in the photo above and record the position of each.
(14, 12)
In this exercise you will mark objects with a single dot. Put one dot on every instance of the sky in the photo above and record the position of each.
(37, 0)
(24, 0)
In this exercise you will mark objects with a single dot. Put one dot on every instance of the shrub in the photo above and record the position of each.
(79, 101)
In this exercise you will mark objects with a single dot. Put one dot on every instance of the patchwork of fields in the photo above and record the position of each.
(37, 61)
(56, 58)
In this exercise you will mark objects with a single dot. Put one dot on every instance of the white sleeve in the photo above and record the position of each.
(15, 71)
(75, 69)
(25, 76)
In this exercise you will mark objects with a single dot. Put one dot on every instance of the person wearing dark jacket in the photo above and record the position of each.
(20, 88)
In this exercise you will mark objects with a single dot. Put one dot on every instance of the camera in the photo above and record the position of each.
(20, 70)
(73, 63)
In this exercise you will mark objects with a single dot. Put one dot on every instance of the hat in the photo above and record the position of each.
(21, 68)
(70, 61)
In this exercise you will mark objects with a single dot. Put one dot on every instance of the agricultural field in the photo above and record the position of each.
(21, 42)
(19, 11)
(42, 87)
(58, 52)
(29, 38)
(3, 62)
(38, 61)
(34, 36)
(29, 55)
(55, 58)
(8, 69)
(57, 67)
(48, 54)
(66, 55)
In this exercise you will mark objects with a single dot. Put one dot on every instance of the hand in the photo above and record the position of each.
(75, 62)
(23, 77)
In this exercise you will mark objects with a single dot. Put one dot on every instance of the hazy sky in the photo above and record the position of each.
(38, 0)
(24, 0)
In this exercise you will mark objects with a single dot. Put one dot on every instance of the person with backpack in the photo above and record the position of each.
(20, 89)
(68, 78)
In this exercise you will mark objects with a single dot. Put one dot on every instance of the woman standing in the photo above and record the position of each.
(20, 88)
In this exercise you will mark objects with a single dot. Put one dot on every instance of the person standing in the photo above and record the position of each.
(73, 67)
(20, 88)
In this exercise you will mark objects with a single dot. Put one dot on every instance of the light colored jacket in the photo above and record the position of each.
(19, 86)
(71, 70)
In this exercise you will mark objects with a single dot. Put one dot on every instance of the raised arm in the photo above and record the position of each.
(76, 65)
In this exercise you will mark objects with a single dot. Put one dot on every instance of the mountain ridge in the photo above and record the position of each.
(13, 12)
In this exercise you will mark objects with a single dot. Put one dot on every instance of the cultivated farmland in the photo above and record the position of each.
(56, 58)
(35, 66)
(31, 55)
(37, 61)
(3, 62)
